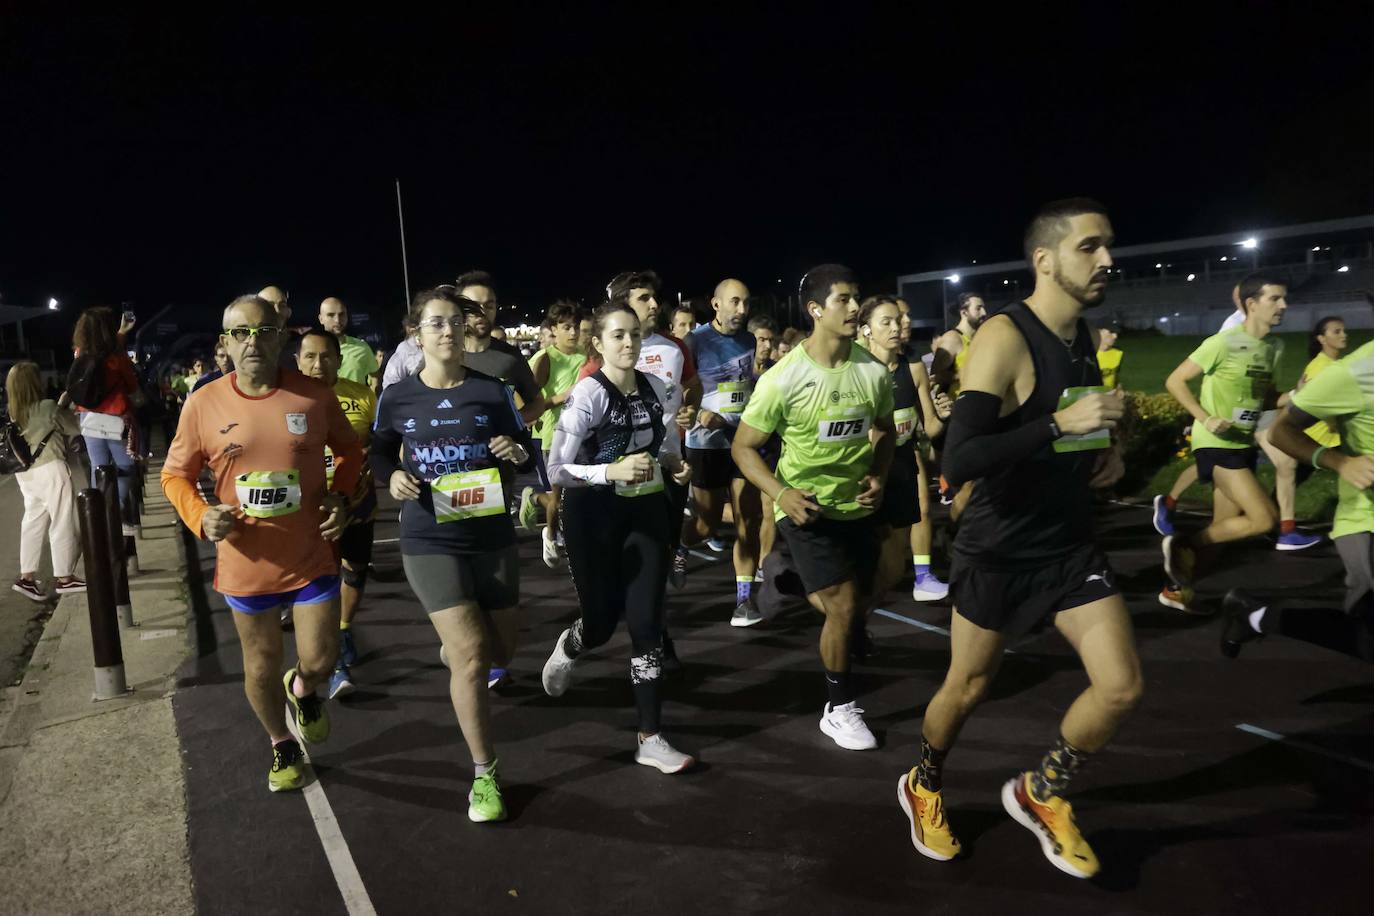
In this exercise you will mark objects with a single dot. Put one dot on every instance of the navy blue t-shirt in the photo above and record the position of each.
(436, 434)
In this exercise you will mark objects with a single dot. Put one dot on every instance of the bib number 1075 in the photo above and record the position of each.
(843, 430)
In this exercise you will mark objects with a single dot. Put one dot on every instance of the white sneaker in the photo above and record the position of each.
(656, 752)
(551, 558)
(845, 726)
(718, 545)
(558, 669)
(929, 588)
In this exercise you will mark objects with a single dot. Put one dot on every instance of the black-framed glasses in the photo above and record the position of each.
(437, 322)
(267, 332)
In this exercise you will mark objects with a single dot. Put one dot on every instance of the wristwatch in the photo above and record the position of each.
(1055, 431)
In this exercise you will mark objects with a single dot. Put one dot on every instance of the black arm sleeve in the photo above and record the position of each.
(384, 454)
(974, 448)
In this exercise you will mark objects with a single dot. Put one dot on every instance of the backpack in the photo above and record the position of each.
(86, 382)
(14, 449)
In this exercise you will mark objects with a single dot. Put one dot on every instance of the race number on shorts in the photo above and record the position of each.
(653, 485)
(472, 494)
(1082, 442)
(269, 494)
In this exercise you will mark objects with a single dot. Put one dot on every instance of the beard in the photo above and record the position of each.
(1086, 295)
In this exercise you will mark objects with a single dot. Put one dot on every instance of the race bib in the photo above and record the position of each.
(1245, 418)
(905, 420)
(729, 397)
(328, 466)
(269, 494)
(653, 485)
(1082, 442)
(472, 494)
(838, 427)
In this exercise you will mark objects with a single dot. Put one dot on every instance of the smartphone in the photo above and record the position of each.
(129, 317)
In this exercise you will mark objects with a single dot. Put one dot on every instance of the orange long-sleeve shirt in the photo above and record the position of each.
(282, 433)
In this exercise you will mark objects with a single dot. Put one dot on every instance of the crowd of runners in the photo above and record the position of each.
(822, 450)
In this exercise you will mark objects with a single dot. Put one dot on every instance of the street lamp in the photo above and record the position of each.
(1250, 243)
(52, 304)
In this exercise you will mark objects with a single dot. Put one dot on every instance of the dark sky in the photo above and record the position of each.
(154, 159)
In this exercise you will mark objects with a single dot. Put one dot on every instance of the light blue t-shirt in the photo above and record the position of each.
(725, 365)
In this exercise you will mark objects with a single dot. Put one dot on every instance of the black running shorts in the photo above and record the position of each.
(712, 468)
(491, 580)
(1234, 458)
(828, 551)
(901, 506)
(1016, 602)
(355, 545)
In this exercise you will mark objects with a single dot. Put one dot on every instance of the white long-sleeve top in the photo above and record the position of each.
(584, 412)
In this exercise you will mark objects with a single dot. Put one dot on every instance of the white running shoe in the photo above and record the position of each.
(718, 545)
(846, 727)
(551, 558)
(929, 588)
(558, 669)
(655, 751)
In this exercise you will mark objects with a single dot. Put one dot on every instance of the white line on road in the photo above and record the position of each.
(705, 556)
(1305, 746)
(915, 623)
(336, 850)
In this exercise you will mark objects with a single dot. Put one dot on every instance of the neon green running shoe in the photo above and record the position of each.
(288, 767)
(312, 718)
(529, 509)
(484, 801)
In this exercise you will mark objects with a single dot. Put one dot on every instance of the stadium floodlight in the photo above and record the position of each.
(1343, 269)
(1159, 266)
(52, 304)
(1192, 277)
(1223, 257)
(1250, 243)
(953, 278)
(1316, 248)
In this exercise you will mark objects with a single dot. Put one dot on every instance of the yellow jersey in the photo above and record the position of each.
(1322, 432)
(1109, 361)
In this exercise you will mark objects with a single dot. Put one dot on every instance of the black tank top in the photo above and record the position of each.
(1040, 508)
(904, 398)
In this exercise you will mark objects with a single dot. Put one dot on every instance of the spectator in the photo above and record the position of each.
(223, 366)
(46, 486)
(103, 386)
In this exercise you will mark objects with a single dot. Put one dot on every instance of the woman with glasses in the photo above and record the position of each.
(611, 451)
(447, 443)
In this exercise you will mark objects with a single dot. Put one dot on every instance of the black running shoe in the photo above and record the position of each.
(1236, 609)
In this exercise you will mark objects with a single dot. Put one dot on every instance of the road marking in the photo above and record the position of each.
(1305, 746)
(714, 558)
(915, 623)
(336, 850)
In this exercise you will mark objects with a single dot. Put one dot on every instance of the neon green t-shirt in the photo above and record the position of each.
(1239, 373)
(356, 359)
(823, 416)
(1344, 393)
(563, 369)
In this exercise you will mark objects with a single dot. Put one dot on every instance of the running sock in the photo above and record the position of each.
(298, 688)
(276, 741)
(482, 769)
(743, 586)
(838, 688)
(1060, 764)
(344, 624)
(1288, 526)
(572, 646)
(930, 771)
(922, 563)
(646, 673)
(1257, 620)
(758, 576)
(1170, 503)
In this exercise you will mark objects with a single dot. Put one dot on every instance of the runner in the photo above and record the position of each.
(447, 443)
(952, 346)
(1237, 369)
(555, 372)
(824, 398)
(317, 356)
(904, 502)
(682, 321)
(359, 360)
(724, 355)
(495, 357)
(263, 430)
(405, 359)
(765, 331)
(1109, 357)
(1342, 394)
(611, 452)
(1031, 412)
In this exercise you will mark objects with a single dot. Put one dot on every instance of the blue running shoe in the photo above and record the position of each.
(1164, 519)
(1297, 540)
(340, 683)
(495, 676)
(348, 652)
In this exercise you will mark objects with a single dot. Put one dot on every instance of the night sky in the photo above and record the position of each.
(186, 160)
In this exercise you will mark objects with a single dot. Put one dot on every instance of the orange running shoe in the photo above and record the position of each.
(930, 832)
(1052, 823)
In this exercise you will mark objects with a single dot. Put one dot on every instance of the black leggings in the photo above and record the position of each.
(618, 555)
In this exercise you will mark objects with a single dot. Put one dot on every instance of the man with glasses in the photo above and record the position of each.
(263, 432)
(358, 360)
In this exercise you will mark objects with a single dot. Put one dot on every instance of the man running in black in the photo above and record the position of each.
(1031, 412)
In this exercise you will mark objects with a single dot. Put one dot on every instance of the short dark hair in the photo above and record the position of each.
(316, 330)
(618, 290)
(870, 305)
(815, 286)
(563, 310)
(964, 297)
(762, 321)
(475, 278)
(1254, 284)
(685, 306)
(443, 294)
(1049, 226)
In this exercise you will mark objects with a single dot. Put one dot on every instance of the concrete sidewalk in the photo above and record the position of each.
(92, 794)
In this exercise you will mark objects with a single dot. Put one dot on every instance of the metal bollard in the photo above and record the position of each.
(100, 597)
(130, 518)
(106, 477)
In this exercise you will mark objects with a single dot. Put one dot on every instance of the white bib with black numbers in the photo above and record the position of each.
(841, 425)
(269, 494)
(471, 494)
